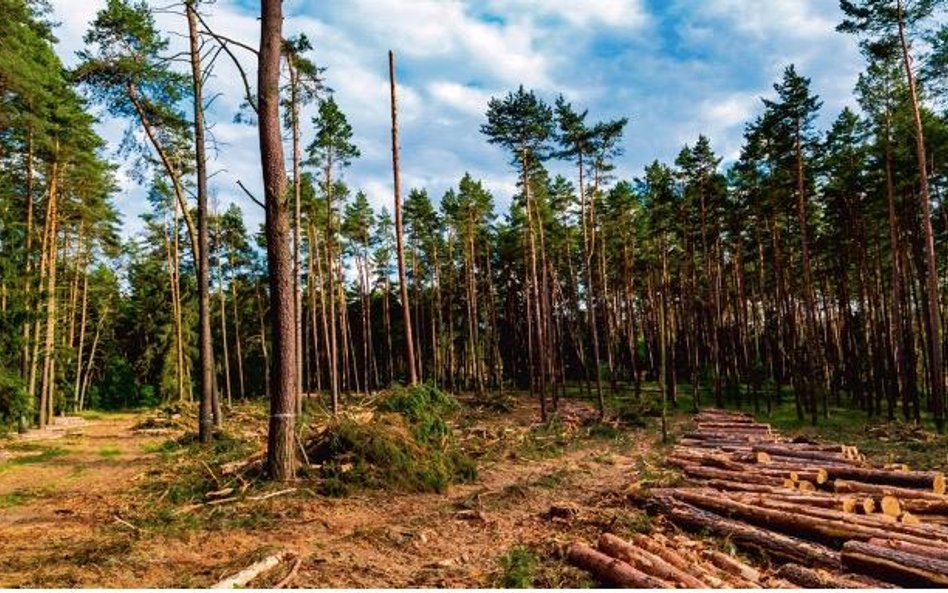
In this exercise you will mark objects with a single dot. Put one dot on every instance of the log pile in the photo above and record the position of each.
(823, 509)
(659, 561)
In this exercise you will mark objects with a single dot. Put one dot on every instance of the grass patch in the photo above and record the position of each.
(109, 452)
(17, 497)
(41, 454)
(517, 568)
(189, 470)
(543, 441)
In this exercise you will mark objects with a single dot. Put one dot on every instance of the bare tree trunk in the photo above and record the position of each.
(264, 350)
(205, 346)
(48, 392)
(297, 221)
(82, 338)
(399, 234)
(88, 372)
(225, 355)
(933, 314)
(281, 449)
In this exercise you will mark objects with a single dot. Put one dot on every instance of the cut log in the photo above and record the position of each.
(896, 566)
(805, 486)
(823, 530)
(674, 558)
(728, 446)
(647, 562)
(909, 519)
(782, 451)
(889, 505)
(804, 462)
(733, 566)
(726, 426)
(610, 570)
(744, 487)
(749, 436)
(938, 553)
(242, 578)
(681, 460)
(930, 481)
(807, 578)
(746, 536)
(711, 473)
(903, 494)
(723, 416)
(925, 507)
(864, 505)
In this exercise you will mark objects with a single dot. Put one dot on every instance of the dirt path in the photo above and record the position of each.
(58, 522)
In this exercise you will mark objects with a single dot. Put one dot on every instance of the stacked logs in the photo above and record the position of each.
(660, 562)
(809, 504)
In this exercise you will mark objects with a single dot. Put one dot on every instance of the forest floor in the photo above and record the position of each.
(106, 503)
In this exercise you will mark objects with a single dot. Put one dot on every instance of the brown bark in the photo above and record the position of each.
(896, 566)
(745, 535)
(610, 570)
(818, 529)
(205, 347)
(932, 481)
(710, 473)
(399, 234)
(936, 552)
(647, 562)
(806, 578)
(847, 486)
(281, 449)
(733, 566)
(933, 316)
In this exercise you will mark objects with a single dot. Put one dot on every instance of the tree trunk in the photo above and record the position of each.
(399, 234)
(896, 566)
(205, 347)
(933, 314)
(281, 449)
(610, 570)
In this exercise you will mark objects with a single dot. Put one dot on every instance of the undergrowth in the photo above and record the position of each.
(408, 445)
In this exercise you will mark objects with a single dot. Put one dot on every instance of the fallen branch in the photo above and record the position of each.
(248, 574)
(134, 528)
(290, 575)
(272, 494)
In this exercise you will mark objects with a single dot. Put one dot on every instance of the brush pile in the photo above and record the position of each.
(814, 505)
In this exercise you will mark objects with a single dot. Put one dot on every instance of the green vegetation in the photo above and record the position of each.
(42, 454)
(109, 452)
(517, 568)
(407, 445)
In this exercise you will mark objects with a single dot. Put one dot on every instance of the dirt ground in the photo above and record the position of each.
(71, 509)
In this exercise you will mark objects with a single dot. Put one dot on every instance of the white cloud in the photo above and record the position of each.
(460, 97)
(677, 69)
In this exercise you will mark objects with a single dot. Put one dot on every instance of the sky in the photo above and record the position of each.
(675, 68)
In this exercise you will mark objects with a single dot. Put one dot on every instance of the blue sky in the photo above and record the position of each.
(675, 68)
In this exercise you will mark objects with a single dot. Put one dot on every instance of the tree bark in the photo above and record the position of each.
(896, 566)
(399, 234)
(281, 447)
(610, 570)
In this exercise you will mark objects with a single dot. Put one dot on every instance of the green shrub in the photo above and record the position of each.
(408, 446)
(517, 568)
(384, 453)
(424, 407)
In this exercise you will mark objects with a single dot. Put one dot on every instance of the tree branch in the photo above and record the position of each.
(250, 195)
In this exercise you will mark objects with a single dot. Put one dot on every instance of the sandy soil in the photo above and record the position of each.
(61, 519)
